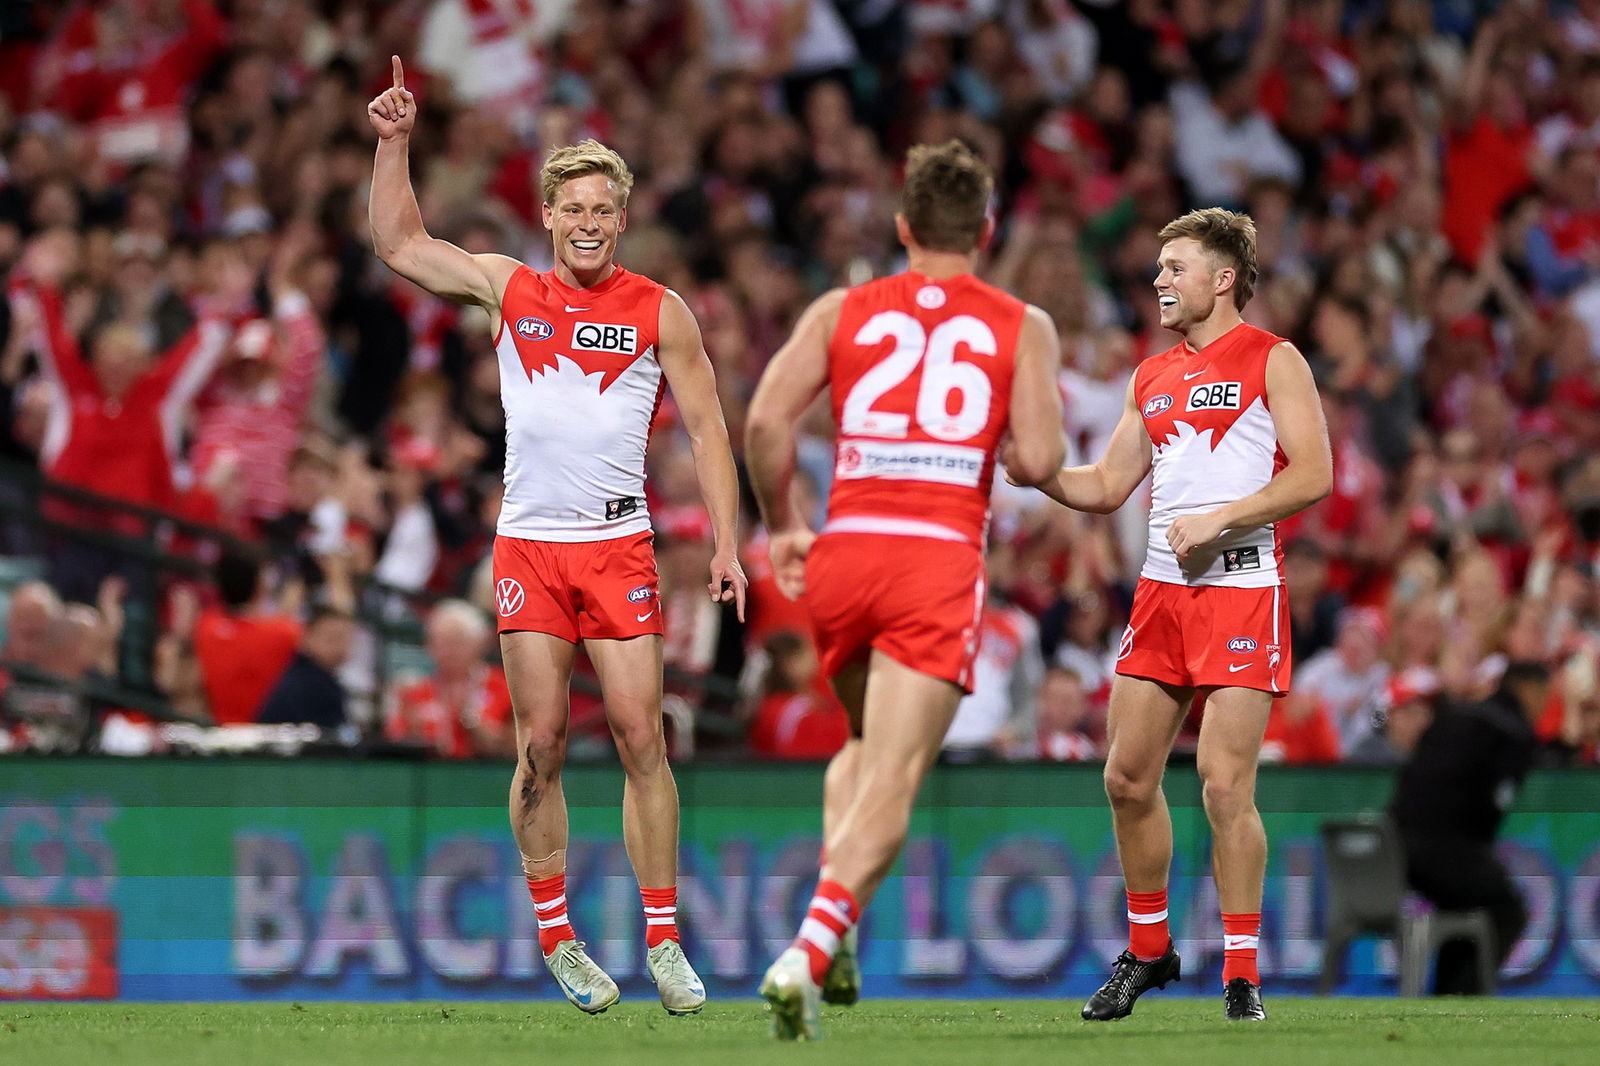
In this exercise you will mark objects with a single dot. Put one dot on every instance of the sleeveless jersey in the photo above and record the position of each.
(1214, 443)
(920, 371)
(580, 384)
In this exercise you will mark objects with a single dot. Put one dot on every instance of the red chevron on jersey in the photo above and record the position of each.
(606, 366)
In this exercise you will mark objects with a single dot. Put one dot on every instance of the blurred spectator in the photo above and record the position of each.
(1398, 719)
(997, 719)
(1065, 731)
(1450, 800)
(797, 717)
(243, 644)
(1344, 679)
(1300, 731)
(462, 710)
(308, 690)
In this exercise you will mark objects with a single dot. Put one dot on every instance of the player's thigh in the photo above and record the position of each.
(906, 716)
(1141, 725)
(630, 682)
(1230, 735)
(538, 672)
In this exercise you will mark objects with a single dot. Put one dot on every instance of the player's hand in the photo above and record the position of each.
(1194, 531)
(728, 582)
(393, 112)
(788, 552)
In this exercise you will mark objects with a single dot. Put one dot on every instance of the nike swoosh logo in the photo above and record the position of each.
(582, 997)
(570, 308)
(643, 617)
(1186, 377)
(1234, 668)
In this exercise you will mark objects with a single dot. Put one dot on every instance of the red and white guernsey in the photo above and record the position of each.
(580, 384)
(1214, 443)
(921, 374)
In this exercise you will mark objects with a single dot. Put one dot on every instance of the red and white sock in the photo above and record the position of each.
(550, 906)
(1241, 933)
(1148, 932)
(660, 914)
(831, 914)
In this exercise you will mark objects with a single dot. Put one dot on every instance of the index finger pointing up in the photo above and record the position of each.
(399, 72)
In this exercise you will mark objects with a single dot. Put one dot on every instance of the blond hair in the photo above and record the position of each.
(582, 159)
(945, 196)
(1228, 238)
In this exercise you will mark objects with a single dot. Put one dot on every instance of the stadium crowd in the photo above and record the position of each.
(197, 323)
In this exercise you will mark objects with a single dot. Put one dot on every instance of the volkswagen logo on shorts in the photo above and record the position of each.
(1238, 644)
(1156, 404)
(508, 596)
(535, 329)
(641, 594)
(1125, 645)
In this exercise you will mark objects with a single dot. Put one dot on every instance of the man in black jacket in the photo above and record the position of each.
(1449, 802)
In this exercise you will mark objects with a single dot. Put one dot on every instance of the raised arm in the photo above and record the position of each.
(398, 235)
(1102, 487)
(794, 377)
(694, 388)
(1307, 475)
(1036, 448)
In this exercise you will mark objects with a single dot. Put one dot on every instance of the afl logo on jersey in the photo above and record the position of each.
(1241, 644)
(931, 297)
(535, 329)
(1156, 404)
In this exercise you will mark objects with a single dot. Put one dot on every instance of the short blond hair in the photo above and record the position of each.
(1228, 238)
(579, 160)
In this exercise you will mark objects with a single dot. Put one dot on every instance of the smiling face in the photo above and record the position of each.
(1188, 284)
(585, 219)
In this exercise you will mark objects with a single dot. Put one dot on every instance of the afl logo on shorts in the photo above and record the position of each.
(1241, 644)
(641, 594)
(1156, 404)
(508, 596)
(535, 329)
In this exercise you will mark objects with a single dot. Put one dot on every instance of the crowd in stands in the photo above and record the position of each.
(196, 322)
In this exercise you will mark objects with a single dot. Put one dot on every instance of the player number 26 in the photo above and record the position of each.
(942, 374)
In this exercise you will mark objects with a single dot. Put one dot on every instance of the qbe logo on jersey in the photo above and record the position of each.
(1217, 396)
(605, 337)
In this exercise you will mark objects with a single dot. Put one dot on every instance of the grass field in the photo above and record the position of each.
(1175, 1032)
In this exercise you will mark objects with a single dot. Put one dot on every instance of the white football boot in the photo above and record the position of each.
(681, 989)
(589, 987)
(793, 998)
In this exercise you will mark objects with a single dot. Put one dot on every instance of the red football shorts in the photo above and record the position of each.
(916, 599)
(606, 589)
(1208, 636)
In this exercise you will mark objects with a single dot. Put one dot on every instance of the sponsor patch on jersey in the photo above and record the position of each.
(1156, 404)
(622, 508)
(1235, 559)
(944, 464)
(535, 329)
(1241, 644)
(1215, 396)
(641, 594)
(605, 337)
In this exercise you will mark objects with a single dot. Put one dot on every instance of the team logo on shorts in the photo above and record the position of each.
(1241, 644)
(1156, 404)
(535, 329)
(1125, 646)
(508, 596)
(641, 594)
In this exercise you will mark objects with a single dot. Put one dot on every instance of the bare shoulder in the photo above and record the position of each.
(677, 321)
(1286, 366)
(497, 269)
(1037, 321)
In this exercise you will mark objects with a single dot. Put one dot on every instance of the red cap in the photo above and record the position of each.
(1414, 683)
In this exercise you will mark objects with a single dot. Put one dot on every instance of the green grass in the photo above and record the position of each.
(1171, 1032)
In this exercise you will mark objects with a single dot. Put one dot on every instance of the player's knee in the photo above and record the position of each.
(1125, 789)
(1226, 796)
(544, 749)
(641, 746)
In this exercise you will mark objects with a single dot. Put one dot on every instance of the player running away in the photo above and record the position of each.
(928, 372)
(1230, 421)
(585, 350)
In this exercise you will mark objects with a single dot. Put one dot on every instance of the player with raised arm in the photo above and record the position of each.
(929, 370)
(585, 351)
(1230, 421)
